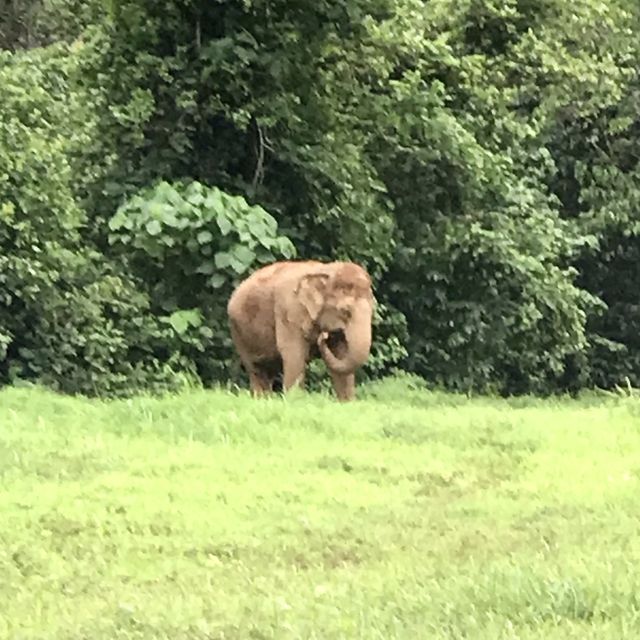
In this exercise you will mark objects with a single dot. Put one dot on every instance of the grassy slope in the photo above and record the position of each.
(409, 515)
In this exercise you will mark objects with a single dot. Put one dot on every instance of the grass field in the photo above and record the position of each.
(406, 514)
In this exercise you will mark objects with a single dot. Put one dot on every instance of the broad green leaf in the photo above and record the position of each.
(183, 319)
(286, 248)
(222, 260)
(206, 268)
(243, 254)
(217, 280)
(153, 227)
(206, 332)
(224, 224)
(239, 266)
(213, 201)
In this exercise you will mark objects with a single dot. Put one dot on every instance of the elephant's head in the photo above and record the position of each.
(338, 301)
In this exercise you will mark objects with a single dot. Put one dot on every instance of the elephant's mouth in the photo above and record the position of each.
(337, 343)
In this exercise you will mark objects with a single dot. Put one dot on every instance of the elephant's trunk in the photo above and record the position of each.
(357, 337)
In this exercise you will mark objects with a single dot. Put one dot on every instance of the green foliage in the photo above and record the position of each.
(482, 267)
(236, 80)
(479, 158)
(594, 141)
(388, 350)
(199, 230)
(67, 318)
(191, 244)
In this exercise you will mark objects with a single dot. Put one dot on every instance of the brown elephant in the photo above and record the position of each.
(287, 313)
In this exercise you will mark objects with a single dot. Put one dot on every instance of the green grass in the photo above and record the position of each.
(406, 514)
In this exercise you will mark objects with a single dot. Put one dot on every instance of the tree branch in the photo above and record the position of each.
(258, 174)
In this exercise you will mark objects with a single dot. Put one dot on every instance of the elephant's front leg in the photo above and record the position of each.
(344, 384)
(294, 353)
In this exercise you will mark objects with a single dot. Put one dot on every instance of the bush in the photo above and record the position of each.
(190, 244)
(479, 158)
(69, 318)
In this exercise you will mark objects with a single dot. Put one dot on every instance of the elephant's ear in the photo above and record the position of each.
(310, 293)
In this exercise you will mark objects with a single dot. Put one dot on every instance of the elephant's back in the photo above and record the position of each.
(257, 290)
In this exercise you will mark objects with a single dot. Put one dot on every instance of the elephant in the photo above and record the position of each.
(289, 312)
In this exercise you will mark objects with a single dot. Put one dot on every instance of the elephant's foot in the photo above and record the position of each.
(262, 376)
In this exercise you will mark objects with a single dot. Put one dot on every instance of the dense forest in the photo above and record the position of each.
(479, 157)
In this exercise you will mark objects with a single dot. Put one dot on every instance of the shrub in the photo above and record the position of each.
(191, 244)
(68, 317)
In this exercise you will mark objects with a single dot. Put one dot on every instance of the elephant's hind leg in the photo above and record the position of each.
(262, 375)
(259, 382)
